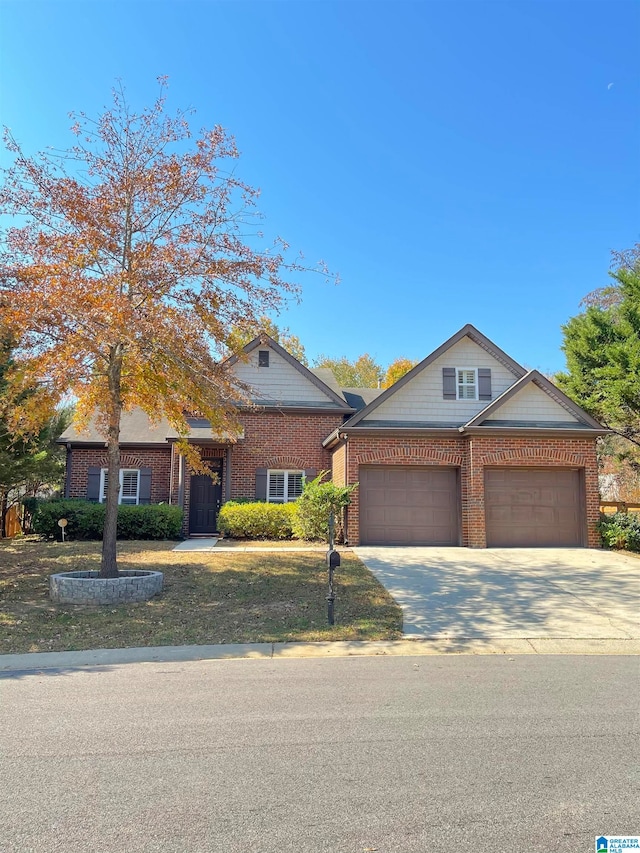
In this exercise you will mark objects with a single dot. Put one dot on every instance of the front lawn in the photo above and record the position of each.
(208, 598)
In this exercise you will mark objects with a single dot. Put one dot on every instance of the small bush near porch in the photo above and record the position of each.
(209, 597)
(257, 520)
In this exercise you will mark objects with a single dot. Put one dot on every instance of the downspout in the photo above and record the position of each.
(346, 482)
(67, 472)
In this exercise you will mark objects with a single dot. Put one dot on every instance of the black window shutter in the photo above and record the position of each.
(93, 484)
(144, 492)
(261, 484)
(449, 383)
(484, 383)
(310, 474)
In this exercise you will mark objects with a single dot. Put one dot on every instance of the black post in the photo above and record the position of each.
(331, 596)
(333, 561)
(331, 600)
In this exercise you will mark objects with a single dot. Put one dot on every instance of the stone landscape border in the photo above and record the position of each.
(88, 588)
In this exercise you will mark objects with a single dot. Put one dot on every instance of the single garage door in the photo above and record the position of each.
(409, 506)
(529, 507)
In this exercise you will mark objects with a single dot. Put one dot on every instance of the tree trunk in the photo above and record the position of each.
(109, 565)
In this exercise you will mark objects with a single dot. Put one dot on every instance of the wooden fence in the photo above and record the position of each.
(12, 522)
(609, 507)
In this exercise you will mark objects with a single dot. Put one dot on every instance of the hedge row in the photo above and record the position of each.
(621, 530)
(257, 520)
(86, 520)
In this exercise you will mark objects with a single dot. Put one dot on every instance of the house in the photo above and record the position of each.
(468, 448)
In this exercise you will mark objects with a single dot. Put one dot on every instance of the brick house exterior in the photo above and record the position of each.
(468, 449)
(470, 456)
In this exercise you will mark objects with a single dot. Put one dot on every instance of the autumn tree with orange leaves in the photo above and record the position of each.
(131, 258)
(397, 370)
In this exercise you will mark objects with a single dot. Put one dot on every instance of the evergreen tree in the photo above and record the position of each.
(602, 346)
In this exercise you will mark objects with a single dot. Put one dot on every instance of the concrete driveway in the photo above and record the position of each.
(522, 593)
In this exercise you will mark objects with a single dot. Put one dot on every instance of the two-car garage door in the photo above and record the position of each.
(524, 507)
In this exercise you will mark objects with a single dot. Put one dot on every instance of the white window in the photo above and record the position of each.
(284, 486)
(129, 486)
(467, 383)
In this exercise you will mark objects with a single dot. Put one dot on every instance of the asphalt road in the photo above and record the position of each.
(393, 755)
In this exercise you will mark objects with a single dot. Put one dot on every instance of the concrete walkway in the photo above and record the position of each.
(511, 593)
(196, 544)
(96, 658)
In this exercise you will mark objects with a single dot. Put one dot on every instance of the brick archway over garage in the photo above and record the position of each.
(531, 452)
(395, 451)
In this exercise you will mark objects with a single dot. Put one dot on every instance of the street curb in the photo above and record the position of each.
(345, 648)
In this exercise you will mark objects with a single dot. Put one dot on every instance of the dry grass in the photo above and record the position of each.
(208, 598)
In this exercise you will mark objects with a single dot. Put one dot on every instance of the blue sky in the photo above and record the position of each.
(454, 162)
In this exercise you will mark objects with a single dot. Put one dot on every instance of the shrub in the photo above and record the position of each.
(316, 504)
(86, 520)
(151, 521)
(257, 520)
(621, 530)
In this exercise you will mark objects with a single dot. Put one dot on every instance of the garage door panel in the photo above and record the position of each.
(408, 506)
(397, 497)
(376, 497)
(397, 479)
(533, 507)
(375, 515)
(567, 517)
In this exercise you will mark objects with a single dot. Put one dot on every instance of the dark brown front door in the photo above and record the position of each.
(529, 507)
(204, 501)
(409, 506)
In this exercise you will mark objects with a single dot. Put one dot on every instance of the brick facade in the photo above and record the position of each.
(156, 458)
(279, 440)
(271, 440)
(470, 455)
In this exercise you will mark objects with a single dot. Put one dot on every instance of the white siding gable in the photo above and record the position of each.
(421, 398)
(281, 382)
(531, 404)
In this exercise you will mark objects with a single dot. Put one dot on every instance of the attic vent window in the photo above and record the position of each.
(467, 384)
(263, 358)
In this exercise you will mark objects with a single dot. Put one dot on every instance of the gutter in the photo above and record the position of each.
(332, 439)
(568, 432)
(418, 432)
(67, 470)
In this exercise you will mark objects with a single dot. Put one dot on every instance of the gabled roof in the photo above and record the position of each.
(136, 428)
(466, 331)
(534, 376)
(333, 393)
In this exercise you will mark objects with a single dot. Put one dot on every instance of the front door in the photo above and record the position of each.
(205, 500)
